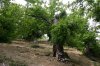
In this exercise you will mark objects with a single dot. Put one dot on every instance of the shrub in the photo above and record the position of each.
(7, 28)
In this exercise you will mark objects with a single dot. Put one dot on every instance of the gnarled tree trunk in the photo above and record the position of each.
(58, 51)
(57, 48)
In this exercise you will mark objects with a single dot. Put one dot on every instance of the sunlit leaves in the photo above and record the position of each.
(72, 30)
(10, 15)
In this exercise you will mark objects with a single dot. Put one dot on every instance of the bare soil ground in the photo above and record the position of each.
(41, 54)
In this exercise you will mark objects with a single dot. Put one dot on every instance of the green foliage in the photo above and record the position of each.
(9, 17)
(59, 34)
(72, 30)
(33, 32)
(6, 29)
(33, 21)
(91, 43)
(96, 11)
(28, 29)
(89, 8)
(96, 50)
(35, 24)
(42, 16)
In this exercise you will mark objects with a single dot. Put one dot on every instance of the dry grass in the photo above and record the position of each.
(41, 54)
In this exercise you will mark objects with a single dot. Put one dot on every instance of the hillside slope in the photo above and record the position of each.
(41, 55)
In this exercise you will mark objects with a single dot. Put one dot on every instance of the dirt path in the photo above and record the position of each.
(41, 55)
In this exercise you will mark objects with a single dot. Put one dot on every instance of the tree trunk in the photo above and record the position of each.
(54, 50)
(88, 51)
(58, 51)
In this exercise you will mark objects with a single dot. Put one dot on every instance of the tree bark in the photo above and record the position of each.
(57, 48)
(58, 51)
(54, 50)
